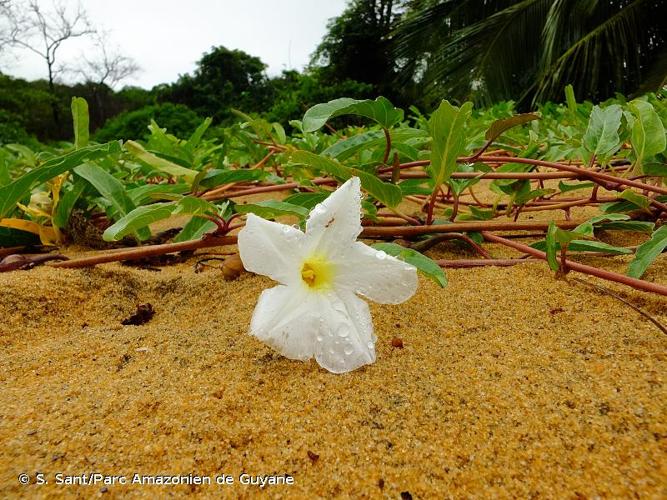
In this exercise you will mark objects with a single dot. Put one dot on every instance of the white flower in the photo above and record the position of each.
(315, 310)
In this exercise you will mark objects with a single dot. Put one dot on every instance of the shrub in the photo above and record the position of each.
(176, 118)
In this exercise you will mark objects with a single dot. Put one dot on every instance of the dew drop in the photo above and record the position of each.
(348, 351)
(381, 255)
(343, 331)
(370, 345)
(320, 338)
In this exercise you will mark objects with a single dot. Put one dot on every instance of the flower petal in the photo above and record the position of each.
(336, 222)
(335, 327)
(271, 249)
(345, 339)
(375, 275)
(287, 319)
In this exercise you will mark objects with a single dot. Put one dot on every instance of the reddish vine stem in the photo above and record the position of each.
(387, 148)
(607, 181)
(11, 250)
(462, 227)
(147, 251)
(466, 263)
(644, 286)
(494, 175)
(272, 188)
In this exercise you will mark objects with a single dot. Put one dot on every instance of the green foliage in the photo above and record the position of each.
(647, 252)
(356, 46)
(178, 119)
(424, 265)
(270, 209)
(601, 138)
(126, 187)
(141, 217)
(529, 50)
(648, 133)
(224, 79)
(380, 110)
(17, 190)
(80, 120)
(447, 128)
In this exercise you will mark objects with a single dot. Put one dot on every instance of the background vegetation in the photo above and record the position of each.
(415, 52)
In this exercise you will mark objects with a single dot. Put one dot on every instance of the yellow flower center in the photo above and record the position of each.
(317, 273)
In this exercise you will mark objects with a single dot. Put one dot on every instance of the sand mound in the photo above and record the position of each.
(510, 383)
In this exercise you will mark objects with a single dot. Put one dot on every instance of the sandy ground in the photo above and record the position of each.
(510, 383)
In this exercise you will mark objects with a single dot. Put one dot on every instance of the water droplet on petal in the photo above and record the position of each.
(343, 331)
(370, 345)
(381, 255)
(320, 338)
(349, 350)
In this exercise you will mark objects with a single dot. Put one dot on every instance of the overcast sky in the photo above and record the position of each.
(167, 37)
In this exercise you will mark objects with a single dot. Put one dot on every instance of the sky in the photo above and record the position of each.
(167, 37)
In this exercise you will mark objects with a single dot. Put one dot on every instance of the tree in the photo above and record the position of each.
(528, 50)
(108, 66)
(356, 44)
(43, 32)
(223, 79)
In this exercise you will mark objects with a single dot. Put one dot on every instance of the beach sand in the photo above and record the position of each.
(510, 383)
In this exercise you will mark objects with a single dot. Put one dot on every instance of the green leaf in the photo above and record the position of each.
(344, 149)
(80, 122)
(586, 228)
(551, 246)
(585, 246)
(13, 192)
(160, 164)
(499, 127)
(154, 192)
(197, 226)
(425, 265)
(10, 237)
(387, 193)
(555, 239)
(270, 209)
(194, 206)
(108, 186)
(635, 198)
(307, 200)
(280, 132)
(194, 229)
(564, 188)
(647, 252)
(379, 110)
(216, 177)
(197, 135)
(137, 219)
(447, 128)
(67, 201)
(601, 138)
(571, 100)
(142, 217)
(631, 225)
(648, 132)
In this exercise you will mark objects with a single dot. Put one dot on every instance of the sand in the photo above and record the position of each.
(510, 383)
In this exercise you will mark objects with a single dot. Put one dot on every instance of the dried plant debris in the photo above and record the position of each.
(16, 262)
(144, 314)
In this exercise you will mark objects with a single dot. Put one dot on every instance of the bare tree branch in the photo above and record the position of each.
(28, 26)
(108, 66)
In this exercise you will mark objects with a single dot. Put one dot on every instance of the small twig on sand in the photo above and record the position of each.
(644, 286)
(607, 291)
